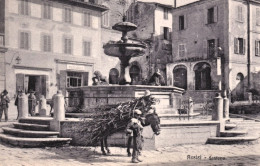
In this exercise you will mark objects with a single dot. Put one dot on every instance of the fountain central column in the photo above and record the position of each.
(124, 63)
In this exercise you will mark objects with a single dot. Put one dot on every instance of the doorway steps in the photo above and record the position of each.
(32, 132)
(238, 131)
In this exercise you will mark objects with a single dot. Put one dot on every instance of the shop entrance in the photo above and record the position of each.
(37, 83)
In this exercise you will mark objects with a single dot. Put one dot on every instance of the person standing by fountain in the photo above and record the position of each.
(32, 103)
(16, 103)
(4, 105)
(135, 127)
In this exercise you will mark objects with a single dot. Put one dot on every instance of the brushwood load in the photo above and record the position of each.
(107, 120)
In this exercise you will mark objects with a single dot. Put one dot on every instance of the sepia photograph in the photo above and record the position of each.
(129, 82)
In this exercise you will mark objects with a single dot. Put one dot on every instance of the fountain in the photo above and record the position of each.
(124, 49)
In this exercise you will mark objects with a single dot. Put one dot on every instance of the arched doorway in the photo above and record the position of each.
(202, 76)
(113, 76)
(180, 76)
(240, 86)
(135, 74)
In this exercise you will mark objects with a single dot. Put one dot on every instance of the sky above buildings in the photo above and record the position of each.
(170, 2)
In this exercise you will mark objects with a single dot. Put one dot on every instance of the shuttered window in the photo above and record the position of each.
(105, 21)
(47, 43)
(239, 46)
(86, 48)
(210, 15)
(47, 11)
(67, 46)
(257, 48)
(181, 50)
(211, 48)
(240, 13)
(24, 40)
(258, 16)
(1, 40)
(86, 19)
(181, 22)
(165, 13)
(24, 7)
(67, 15)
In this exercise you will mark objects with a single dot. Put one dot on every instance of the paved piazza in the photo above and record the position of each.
(181, 155)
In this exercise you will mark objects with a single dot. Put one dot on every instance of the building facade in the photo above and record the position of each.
(154, 22)
(216, 46)
(50, 45)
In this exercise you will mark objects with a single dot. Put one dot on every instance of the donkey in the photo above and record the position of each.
(150, 119)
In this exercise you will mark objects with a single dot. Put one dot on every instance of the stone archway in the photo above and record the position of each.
(135, 73)
(180, 76)
(113, 76)
(202, 76)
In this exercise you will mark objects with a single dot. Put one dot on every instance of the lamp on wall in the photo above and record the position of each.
(18, 59)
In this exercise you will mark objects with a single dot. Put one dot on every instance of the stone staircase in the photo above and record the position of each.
(237, 131)
(32, 132)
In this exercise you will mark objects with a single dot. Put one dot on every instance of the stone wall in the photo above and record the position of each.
(171, 134)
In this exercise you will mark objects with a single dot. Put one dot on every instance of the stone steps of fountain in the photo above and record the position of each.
(29, 133)
(33, 142)
(29, 126)
(233, 140)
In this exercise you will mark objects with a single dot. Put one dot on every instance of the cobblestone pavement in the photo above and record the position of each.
(190, 155)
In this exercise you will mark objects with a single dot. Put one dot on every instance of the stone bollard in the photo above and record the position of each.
(43, 106)
(59, 111)
(218, 113)
(190, 106)
(250, 97)
(23, 106)
(225, 105)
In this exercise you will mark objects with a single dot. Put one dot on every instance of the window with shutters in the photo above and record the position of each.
(47, 11)
(67, 15)
(86, 48)
(257, 48)
(166, 33)
(239, 46)
(210, 15)
(181, 22)
(24, 40)
(211, 48)
(258, 16)
(105, 19)
(24, 7)
(74, 79)
(86, 19)
(67, 45)
(240, 14)
(165, 13)
(1, 40)
(181, 50)
(46, 43)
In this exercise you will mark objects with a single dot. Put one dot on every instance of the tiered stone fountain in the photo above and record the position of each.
(126, 49)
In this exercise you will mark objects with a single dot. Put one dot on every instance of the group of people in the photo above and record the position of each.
(32, 102)
(5, 100)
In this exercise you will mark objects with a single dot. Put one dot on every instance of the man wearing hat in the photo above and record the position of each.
(135, 127)
(16, 103)
(4, 105)
(32, 102)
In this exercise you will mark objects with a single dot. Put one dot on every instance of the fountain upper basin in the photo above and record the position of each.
(124, 49)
